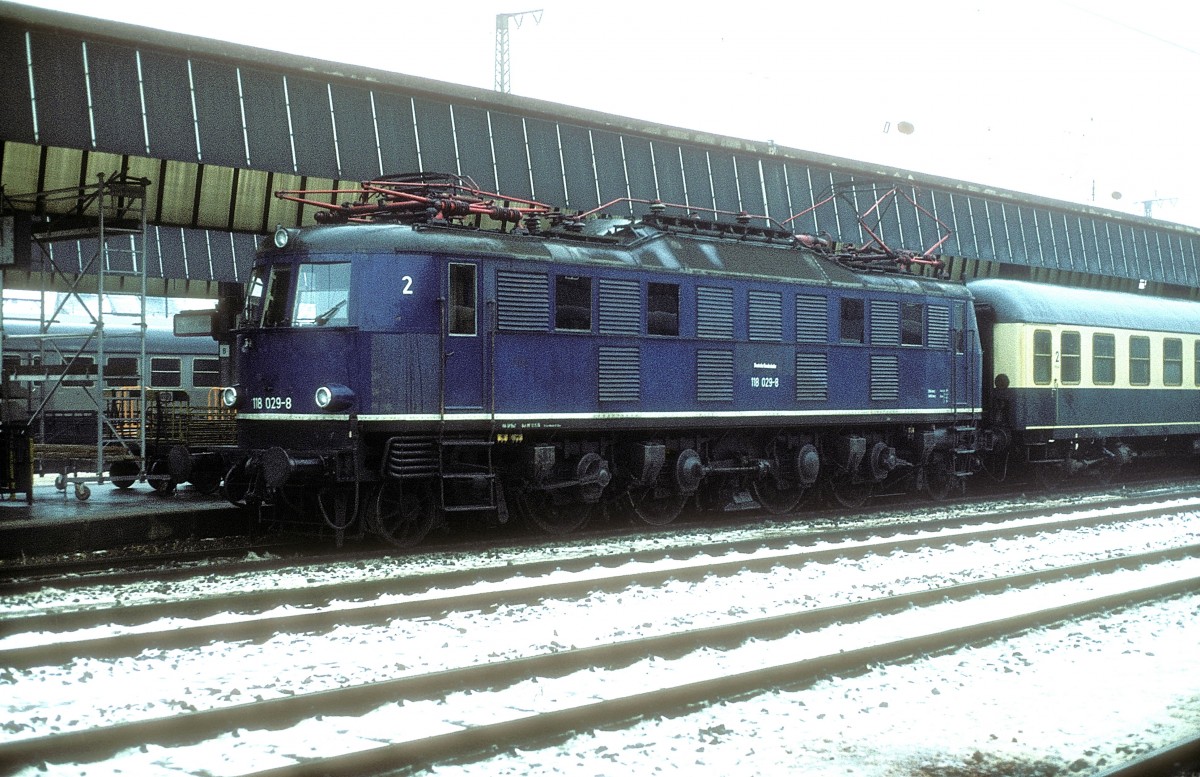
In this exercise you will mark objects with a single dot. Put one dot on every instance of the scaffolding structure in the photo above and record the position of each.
(109, 218)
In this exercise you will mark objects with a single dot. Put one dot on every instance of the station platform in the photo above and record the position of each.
(55, 522)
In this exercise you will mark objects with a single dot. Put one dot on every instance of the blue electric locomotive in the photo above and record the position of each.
(394, 373)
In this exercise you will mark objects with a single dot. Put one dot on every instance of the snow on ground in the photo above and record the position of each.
(1074, 695)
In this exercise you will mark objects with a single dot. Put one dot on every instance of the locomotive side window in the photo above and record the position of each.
(912, 323)
(121, 371)
(322, 295)
(1173, 362)
(662, 309)
(1070, 365)
(462, 299)
(1139, 361)
(853, 321)
(206, 372)
(166, 372)
(1043, 356)
(1104, 359)
(573, 303)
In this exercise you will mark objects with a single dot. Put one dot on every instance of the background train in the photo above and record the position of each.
(416, 367)
(50, 386)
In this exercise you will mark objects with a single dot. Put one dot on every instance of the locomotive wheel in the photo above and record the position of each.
(207, 482)
(402, 512)
(540, 508)
(655, 506)
(938, 479)
(123, 474)
(1050, 476)
(160, 478)
(776, 500)
(236, 484)
(850, 494)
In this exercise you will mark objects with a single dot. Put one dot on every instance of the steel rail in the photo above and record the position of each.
(102, 742)
(349, 612)
(1159, 762)
(26, 578)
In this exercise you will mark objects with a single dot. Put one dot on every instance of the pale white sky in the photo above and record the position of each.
(1069, 99)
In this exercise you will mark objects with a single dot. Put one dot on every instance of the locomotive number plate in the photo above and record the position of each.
(271, 403)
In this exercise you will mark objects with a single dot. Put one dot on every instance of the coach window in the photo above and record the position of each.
(1070, 365)
(75, 371)
(853, 321)
(1043, 356)
(912, 323)
(662, 309)
(1196, 363)
(1139, 361)
(573, 303)
(1172, 362)
(206, 372)
(1104, 360)
(462, 299)
(165, 372)
(121, 371)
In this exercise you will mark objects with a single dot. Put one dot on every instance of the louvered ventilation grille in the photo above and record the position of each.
(620, 374)
(523, 301)
(885, 378)
(885, 322)
(812, 377)
(714, 313)
(812, 319)
(714, 376)
(766, 316)
(620, 307)
(939, 327)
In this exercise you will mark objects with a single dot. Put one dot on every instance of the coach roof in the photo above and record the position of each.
(1024, 302)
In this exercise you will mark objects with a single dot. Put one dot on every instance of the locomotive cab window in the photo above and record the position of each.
(573, 303)
(1104, 359)
(463, 311)
(275, 310)
(1070, 364)
(252, 310)
(322, 295)
(1043, 356)
(1172, 362)
(853, 321)
(1139, 361)
(662, 309)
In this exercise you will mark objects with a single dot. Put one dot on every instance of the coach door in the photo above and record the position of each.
(465, 375)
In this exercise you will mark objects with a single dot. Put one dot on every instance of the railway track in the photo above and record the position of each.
(235, 554)
(324, 606)
(653, 653)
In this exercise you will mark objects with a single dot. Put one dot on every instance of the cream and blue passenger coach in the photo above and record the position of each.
(1080, 375)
